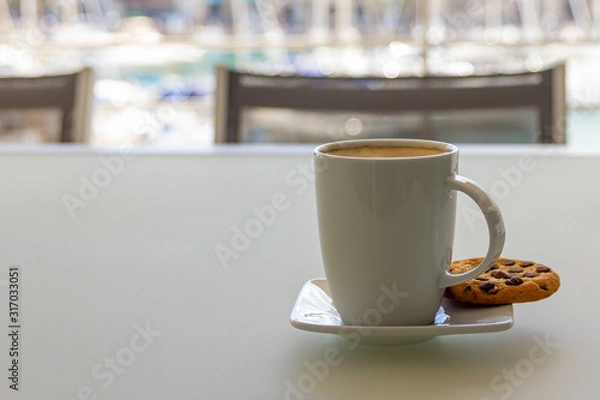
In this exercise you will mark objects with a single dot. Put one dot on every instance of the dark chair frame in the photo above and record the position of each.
(544, 90)
(71, 93)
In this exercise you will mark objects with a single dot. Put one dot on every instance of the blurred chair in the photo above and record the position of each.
(524, 107)
(69, 96)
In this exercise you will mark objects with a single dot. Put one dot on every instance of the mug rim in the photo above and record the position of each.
(448, 148)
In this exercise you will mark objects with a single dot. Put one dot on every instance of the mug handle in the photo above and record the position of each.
(495, 224)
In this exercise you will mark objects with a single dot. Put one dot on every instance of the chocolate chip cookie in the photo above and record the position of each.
(507, 281)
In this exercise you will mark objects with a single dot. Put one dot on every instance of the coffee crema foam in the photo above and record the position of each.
(385, 151)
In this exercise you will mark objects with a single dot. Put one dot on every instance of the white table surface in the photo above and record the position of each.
(140, 256)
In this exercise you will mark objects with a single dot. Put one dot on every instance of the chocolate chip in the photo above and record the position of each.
(494, 266)
(488, 287)
(542, 268)
(529, 274)
(513, 281)
(499, 274)
(482, 278)
(508, 262)
(526, 263)
(543, 287)
(467, 288)
(515, 269)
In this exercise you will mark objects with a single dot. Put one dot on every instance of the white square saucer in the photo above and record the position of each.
(314, 311)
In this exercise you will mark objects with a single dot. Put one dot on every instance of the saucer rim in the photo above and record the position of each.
(431, 330)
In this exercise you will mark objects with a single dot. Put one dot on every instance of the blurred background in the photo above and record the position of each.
(155, 60)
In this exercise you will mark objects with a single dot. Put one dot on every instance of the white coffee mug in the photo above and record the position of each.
(386, 228)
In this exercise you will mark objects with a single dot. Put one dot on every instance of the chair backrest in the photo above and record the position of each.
(436, 100)
(70, 94)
